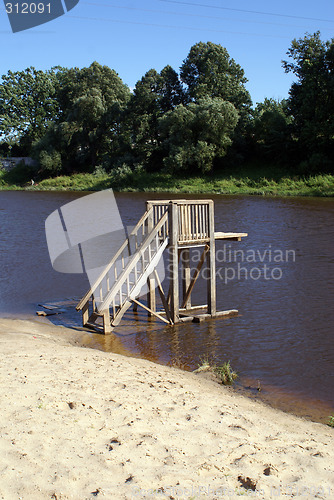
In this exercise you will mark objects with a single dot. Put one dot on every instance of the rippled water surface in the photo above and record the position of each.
(283, 287)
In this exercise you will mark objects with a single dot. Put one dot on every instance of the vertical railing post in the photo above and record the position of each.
(173, 263)
(211, 262)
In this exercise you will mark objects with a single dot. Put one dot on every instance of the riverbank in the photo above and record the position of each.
(254, 182)
(78, 423)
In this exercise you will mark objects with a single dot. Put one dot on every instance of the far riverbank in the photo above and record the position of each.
(259, 181)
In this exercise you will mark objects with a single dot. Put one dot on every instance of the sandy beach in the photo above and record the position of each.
(77, 423)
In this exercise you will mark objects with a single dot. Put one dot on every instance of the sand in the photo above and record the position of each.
(77, 423)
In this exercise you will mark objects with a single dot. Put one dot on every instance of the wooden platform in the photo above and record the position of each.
(230, 236)
(199, 318)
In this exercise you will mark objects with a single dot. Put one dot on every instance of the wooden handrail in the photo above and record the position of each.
(105, 271)
(179, 202)
(117, 287)
(193, 217)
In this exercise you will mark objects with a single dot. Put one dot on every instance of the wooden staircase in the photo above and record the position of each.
(120, 283)
(180, 225)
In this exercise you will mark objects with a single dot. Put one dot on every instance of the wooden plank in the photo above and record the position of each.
(47, 313)
(220, 314)
(163, 298)
(189, 310)
(211, 258)
(173, 260)
(49, 306)
(230, 236)
(193, 243)
(193, 308)
(186, 319)
(150, 310)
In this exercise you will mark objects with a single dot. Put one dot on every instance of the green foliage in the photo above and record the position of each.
(27, 105)
(251, 179)
(196, 134)
(224, 372)
(272, 130)
(91, 102)
(155, 94)
(317, 162)
(331, 421)
(99, 171)
(82, 120)
(311, 100)
(50, 163)
(19, 175)
(208, 71)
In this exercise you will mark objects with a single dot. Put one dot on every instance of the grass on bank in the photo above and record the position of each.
(224, 373)
(257, 180)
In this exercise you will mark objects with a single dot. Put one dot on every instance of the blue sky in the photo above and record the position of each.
(134, 36)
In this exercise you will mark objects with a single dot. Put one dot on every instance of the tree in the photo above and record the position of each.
(155, 94)
(208, 71)
(197, 134)
(86, 134)
(311, 97)
(170, 89)
(272, 126)
(75, 83)
(28, 104)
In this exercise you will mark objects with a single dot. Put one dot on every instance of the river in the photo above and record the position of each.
(280, 278)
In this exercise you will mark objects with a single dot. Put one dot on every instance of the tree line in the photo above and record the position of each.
(194, 121)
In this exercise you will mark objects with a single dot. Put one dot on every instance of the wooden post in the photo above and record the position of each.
(186, 276)
(163, 298)
(106, 322)
(150, 280)
(85, 313)
(211, 262)
(173, 263)
(151, 294)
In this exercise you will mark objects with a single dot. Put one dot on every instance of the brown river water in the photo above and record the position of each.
(281, 279)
